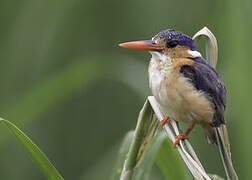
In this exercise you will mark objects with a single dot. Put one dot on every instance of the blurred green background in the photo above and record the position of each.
(68, 86)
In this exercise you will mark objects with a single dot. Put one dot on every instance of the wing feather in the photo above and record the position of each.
(206, 79)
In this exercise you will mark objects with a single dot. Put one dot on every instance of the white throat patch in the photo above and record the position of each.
(159, 56)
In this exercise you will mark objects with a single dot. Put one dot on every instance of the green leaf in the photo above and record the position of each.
(161, 152)
(142, 172)
(170, 162)
(116, 173)
(215, 177)
(36, 154)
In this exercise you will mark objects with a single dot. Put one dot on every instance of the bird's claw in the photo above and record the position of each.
(178, 138)
(164, 121)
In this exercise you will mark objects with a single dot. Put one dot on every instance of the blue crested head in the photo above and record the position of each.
(172, 36)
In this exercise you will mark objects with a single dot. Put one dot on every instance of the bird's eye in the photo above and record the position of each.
(171, 44)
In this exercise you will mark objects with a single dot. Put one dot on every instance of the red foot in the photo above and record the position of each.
(178, 138)
(164, 121)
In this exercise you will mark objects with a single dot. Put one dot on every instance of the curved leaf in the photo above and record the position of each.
(121, 156)
(36, 154)
(168, 159)
(211, 45)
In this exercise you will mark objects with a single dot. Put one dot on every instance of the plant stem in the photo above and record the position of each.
(141, 138)
(141, 132)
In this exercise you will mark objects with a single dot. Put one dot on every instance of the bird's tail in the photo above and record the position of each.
(224, 148)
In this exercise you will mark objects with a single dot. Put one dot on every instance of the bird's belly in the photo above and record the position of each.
(179, 99)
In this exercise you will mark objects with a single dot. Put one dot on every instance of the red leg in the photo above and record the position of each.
(164, 121)
(178, 139)
(183, 137)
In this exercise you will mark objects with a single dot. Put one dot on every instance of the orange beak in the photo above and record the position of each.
(142, 46)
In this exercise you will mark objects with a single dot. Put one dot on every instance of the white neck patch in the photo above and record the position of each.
(194, 54)
(165, 58)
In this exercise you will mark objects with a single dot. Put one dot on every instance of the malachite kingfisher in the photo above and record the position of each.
(185, 85)
(187, 88)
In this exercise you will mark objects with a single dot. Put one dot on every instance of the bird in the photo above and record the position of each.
(187, 88)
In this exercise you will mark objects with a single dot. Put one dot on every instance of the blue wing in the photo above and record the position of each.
(205, 78)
